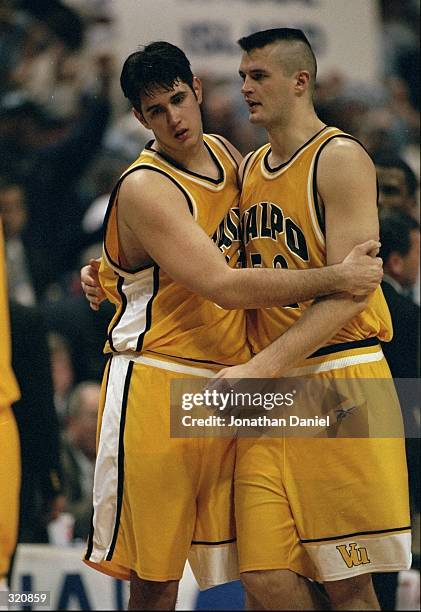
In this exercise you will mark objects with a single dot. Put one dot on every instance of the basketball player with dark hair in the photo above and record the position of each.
(332, 509)
(170, 265)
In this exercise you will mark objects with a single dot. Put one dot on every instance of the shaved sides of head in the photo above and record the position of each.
(292, 47)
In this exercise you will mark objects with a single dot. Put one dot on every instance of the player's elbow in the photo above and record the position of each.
(224, 292)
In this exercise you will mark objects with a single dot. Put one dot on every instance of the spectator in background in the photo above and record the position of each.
(61, 371)
(41, 499)
(82, 332)
(400, 250)
(78, 455)
(48, 156)
(397, 183)
(22, 268)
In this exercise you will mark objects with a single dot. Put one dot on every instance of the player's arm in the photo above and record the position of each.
(155, 213)
(347, 185)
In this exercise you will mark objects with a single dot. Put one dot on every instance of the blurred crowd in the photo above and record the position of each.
(65, 139)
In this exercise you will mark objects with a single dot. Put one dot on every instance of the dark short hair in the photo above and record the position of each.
(388, 160)
(158, 65)
(258, 40)
(395, 232)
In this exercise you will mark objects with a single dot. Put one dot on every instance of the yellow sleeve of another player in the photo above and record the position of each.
(9, 390)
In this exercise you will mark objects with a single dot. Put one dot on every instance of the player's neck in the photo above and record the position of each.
(195, 158)
(286, 139)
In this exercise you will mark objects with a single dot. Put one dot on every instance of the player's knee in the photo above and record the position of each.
(268, 583)
(151, 594)
(340, 591)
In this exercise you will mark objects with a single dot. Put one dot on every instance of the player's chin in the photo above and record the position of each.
(256, 118)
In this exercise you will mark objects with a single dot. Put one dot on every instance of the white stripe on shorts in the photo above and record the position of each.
(105, 495)
(173, 367)
(335, 364)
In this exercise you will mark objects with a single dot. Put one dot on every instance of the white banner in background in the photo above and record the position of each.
(75, 586)
(344, 33)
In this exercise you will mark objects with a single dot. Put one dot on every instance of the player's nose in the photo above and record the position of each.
(247, 86)
(173, 117)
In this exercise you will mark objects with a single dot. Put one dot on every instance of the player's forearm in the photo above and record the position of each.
(320, 322)
(263, 288)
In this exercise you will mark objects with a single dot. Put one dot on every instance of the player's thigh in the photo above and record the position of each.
(266, 530)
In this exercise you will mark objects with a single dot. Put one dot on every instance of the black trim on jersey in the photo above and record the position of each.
(320, 217)
(220, 167)
(120, 481)
(345, 346)
(202, 542)
(142, 166)
(91, 528)
(148, 324)
(277, 168)
(120, 283)
(225, 365)
(358, 533)
(224, 144)
(248, 159)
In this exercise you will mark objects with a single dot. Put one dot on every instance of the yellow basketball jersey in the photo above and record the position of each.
(9, 391)
(283, 227)
(157, 316)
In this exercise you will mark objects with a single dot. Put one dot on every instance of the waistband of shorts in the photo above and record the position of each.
(345, 346)
(338, 356)
(172, 365)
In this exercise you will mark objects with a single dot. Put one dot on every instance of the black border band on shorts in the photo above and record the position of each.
(356, 534)
(345, 346)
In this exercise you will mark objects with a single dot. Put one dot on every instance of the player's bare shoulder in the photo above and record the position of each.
(146, 192)
(345, 166)
(344, 154)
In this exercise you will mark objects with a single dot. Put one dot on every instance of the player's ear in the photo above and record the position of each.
(302, 79)
(197, 88)
(141, 118)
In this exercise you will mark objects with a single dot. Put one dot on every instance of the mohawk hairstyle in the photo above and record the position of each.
(258, 40)
(158, 65)
(266, 37)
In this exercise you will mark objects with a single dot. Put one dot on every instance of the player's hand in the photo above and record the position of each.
(363, 271)
(238, 372)
(90, 284)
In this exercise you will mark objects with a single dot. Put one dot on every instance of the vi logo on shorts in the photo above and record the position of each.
(352, 555)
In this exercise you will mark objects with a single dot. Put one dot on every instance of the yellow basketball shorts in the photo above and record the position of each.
(9, 488)
(158, 500)
(326, 508)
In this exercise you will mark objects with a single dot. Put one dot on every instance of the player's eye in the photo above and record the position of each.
(178, 99)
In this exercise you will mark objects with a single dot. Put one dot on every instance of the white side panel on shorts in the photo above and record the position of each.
(389, 552)
(106, 468)
(213, 565)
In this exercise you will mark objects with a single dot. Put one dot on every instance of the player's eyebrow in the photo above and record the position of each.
(152, 107)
